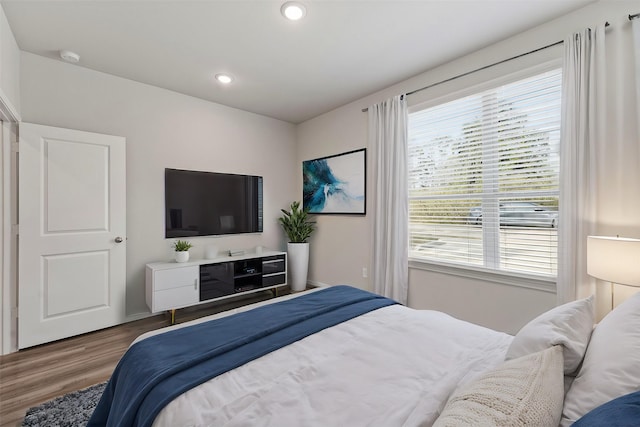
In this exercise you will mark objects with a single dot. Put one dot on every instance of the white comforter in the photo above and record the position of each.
(392, 367)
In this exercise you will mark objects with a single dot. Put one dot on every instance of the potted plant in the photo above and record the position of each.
(298, 227)
(181, 248)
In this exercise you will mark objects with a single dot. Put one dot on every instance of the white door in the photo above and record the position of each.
(72, 223)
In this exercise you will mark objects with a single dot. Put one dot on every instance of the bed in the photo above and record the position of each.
(387, 366)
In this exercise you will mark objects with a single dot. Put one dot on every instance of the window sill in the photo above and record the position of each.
(510, 279)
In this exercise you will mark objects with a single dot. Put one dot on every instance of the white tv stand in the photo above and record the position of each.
(173, 285)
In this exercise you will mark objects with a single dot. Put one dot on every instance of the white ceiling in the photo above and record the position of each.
(293, 71)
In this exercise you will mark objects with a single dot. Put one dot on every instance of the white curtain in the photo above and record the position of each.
(635, 25)
(388, 147)
(582, 139)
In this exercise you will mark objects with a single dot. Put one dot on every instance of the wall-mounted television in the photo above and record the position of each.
(209, 203)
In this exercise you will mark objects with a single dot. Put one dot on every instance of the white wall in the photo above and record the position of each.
(164, 129)
(9, 67)
(341, 247)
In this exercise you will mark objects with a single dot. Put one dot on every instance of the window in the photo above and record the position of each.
(483, 178)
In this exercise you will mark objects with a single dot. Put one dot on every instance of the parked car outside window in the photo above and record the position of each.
(519, 214)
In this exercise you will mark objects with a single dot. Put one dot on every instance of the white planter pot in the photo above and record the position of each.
(211, 252)
(298, 263)
(182, 256)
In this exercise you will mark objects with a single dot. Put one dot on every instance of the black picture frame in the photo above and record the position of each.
(336, 184)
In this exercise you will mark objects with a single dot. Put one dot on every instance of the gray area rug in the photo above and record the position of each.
(71, 410)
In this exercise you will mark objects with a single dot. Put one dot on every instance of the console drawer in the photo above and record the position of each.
(273, 258)
(175, 298)
(276, 279)
(274, 266)
(173, 278)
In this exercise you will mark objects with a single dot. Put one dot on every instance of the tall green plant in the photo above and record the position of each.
(296, 224)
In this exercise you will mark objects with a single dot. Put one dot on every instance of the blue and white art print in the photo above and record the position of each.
(335, 184)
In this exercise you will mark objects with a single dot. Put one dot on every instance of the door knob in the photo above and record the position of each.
(119, 239)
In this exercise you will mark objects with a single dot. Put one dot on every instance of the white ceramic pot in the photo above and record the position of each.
(298, 263)
(211, 252)
(182, 256)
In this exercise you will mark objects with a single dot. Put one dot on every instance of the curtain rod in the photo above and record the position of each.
(606, 24)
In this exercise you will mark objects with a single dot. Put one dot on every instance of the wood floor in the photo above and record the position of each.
(35, 375)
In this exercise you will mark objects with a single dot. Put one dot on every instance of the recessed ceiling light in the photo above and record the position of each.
(69, 56)
(293, 10)
(224, 78)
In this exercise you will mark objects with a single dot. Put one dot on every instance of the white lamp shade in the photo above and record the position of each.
(614, 259)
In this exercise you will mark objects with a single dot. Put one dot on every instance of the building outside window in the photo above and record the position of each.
(484, 178)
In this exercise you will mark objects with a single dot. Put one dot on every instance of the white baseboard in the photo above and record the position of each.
(317, 284)
(138, 316)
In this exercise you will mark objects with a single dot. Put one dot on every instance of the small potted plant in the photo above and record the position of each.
(298, 227)
(182, 250)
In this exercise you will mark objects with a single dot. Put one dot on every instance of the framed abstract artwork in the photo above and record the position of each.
(335, 184)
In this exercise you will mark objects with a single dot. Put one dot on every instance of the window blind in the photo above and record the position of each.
(484, 178)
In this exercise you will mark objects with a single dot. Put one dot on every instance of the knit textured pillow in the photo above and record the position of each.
(527, 391)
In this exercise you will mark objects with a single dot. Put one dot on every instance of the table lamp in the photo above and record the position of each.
(614, 259)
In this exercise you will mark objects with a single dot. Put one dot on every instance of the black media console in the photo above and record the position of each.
(172, 285)
(227, 278)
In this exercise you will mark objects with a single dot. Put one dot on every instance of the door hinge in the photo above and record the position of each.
(15, 147)
(14, 311)
(15, 229)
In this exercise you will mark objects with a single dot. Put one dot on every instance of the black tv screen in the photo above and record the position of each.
(208, 203)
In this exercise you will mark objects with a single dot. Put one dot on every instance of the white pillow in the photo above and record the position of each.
(522, 392)
(611, 366)
(568, 325)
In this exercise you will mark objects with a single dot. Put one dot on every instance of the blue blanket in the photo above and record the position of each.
(156, 370)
